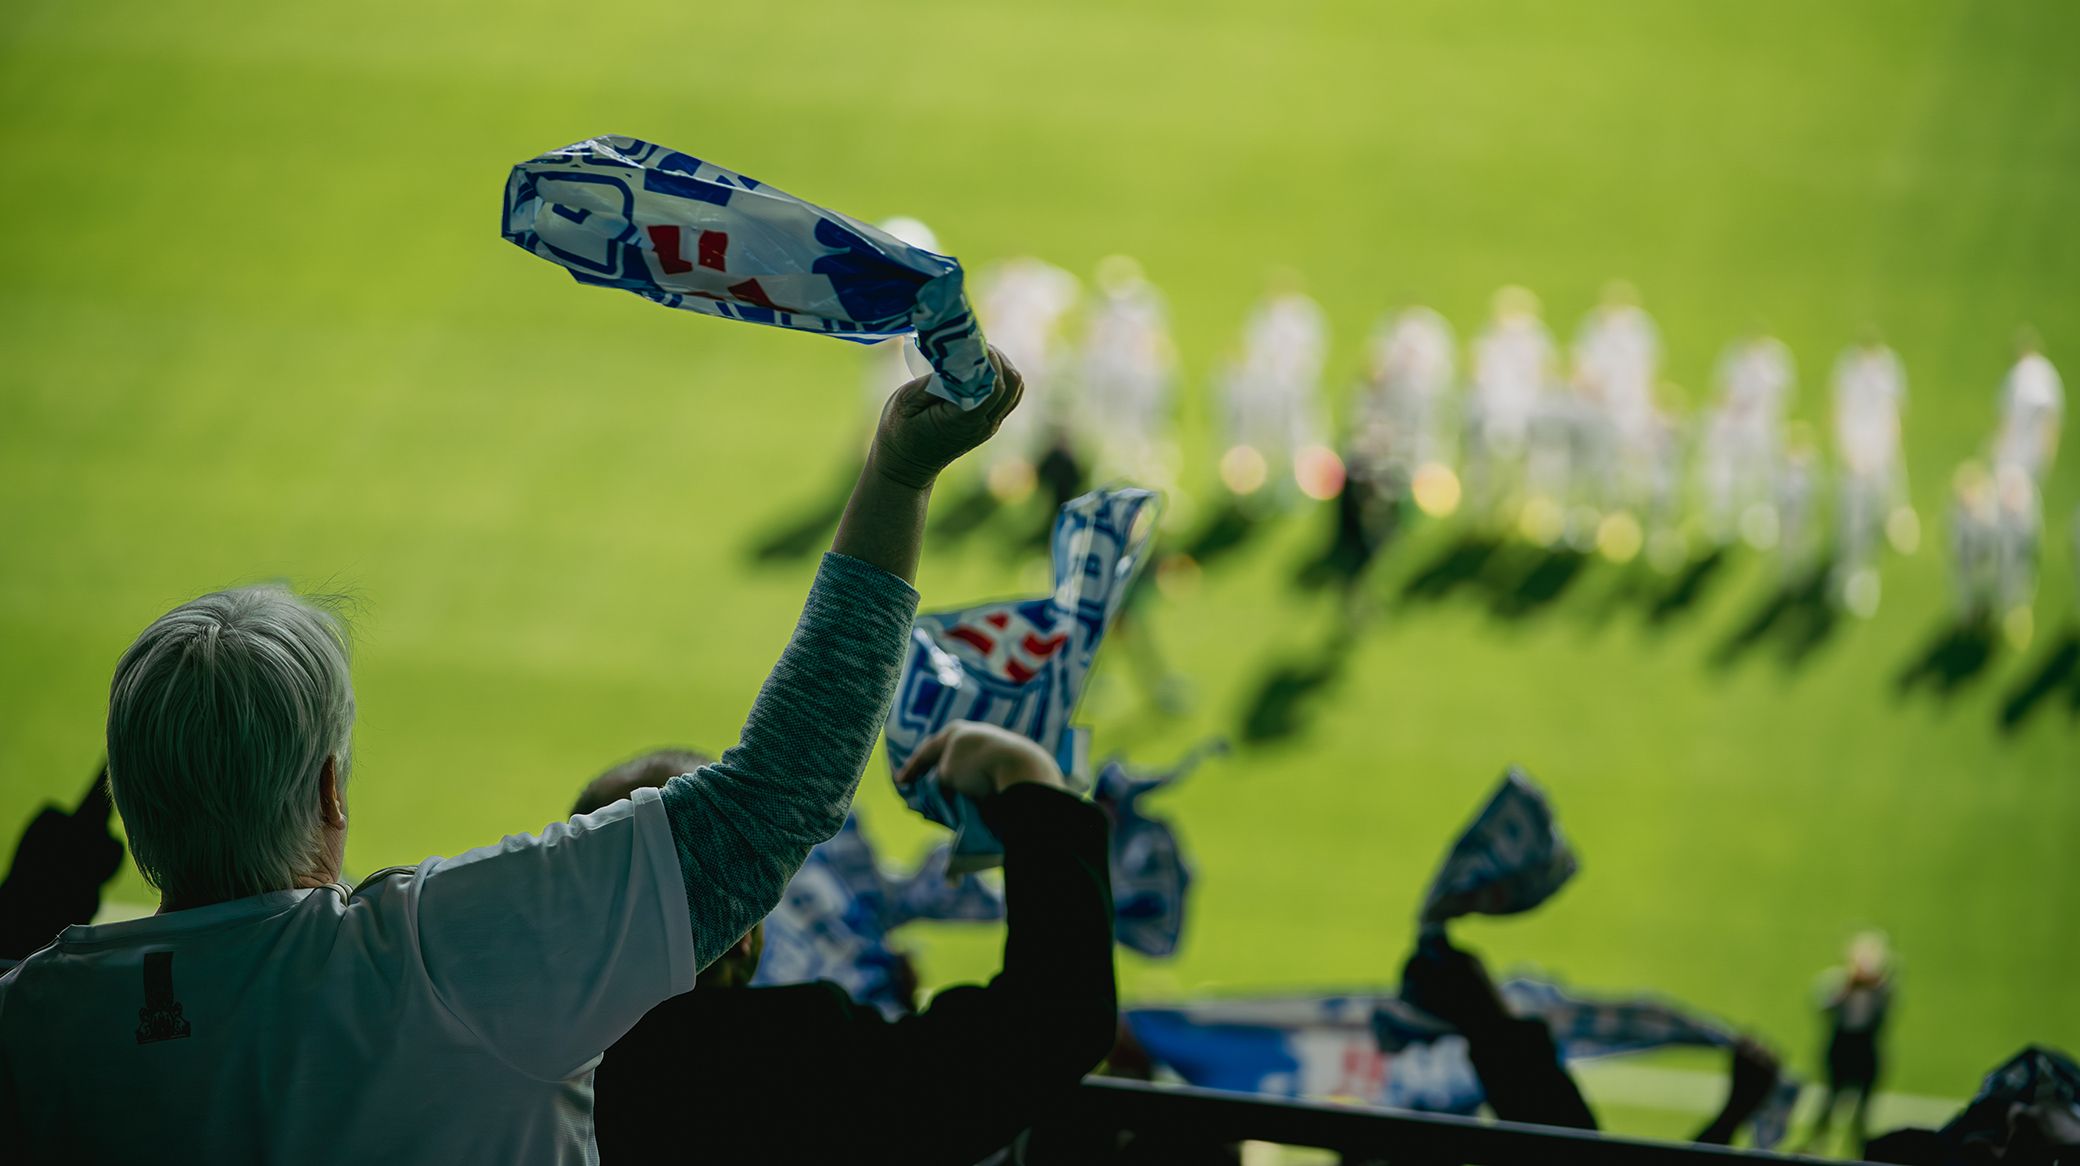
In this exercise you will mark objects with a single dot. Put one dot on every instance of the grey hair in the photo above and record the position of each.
(220, 719)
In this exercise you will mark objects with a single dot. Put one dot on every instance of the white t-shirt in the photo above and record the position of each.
(451, 1012)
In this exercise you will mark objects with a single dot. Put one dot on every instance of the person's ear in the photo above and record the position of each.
(332, 804)
(745, 946)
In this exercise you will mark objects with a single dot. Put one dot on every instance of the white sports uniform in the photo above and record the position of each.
(2033, 404)
(1411, 370)
(1617, 358)
(1513, 366)
(1756, 379)
(1273, 393)
(1129, 369)
(1870, 390)
(1023, 304)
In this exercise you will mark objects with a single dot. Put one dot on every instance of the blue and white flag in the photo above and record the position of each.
(1019, 663)
(834, 920)
(828, 926)
(1511, 858)
(1150, 875)
(931, 892)
(1311, 1047)
(624, 213)
(2036, 1090)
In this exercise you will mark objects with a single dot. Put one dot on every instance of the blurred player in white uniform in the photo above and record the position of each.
(1514, 362)
(1024, 305)
(1870, 391)
(1273, 393)
(2032, 407)
(1129, 372)
(1795, 495)
(1400, 425)
(1743, 440)
(1974, 541)
(1613, 446)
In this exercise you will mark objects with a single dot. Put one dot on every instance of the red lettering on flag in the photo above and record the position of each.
(751, 293)
(665, 241)
(712, 246)
(974, 639)
(1018, 672)
(997, 620)
(1044, 648)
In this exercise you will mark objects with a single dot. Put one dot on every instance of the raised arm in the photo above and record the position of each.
(1006, 1054)
(743, 825)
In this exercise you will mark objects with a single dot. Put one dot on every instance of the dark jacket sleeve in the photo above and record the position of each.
(803, 1074)
(980, 1064)
(1520, 1071)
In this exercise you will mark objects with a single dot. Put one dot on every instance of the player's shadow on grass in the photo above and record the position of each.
(807, 533)
(1660, 600)
(1958, 652)
(1284, 702)
(966, 514)
(2061, 670)
(1799, 616)
(1537, 586)
(1464, 563)
(1689, 587)
(1364, 523)
(1225, 531)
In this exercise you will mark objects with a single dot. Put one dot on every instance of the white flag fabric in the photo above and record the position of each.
(624, 213)
(1020, 663)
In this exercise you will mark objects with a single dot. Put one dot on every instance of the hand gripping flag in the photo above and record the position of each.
(1150, 876)
(1510, 859)
(621, 212)
(1019, 663)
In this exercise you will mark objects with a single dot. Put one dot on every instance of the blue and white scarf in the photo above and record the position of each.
(1511, 858)
(686, 233)
(1020, 663)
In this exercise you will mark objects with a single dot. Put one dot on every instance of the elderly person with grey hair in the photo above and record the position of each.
(455, 1010)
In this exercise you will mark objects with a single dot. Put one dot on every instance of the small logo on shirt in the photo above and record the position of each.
(160, 1018)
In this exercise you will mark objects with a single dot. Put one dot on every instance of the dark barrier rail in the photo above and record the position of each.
(1365, 1135)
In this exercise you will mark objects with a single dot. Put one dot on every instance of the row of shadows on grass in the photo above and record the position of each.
(1791, 619)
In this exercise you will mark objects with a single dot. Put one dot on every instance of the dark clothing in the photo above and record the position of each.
(58, 871)
(804, 1074)
(1520, 1071)
(1852, 1060)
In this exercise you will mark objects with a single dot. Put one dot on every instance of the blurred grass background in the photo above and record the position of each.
(258, 323)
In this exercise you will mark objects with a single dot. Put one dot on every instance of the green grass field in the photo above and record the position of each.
(257, 322)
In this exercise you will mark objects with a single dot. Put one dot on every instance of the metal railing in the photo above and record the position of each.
(1181, 1114)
